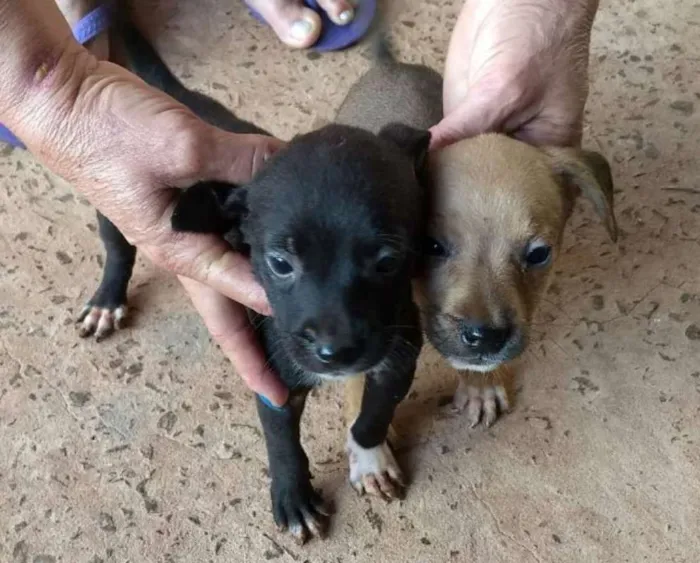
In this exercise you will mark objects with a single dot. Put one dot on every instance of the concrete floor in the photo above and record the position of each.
(145, 448)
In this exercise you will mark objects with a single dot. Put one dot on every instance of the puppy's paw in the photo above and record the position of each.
(374, 470)
(482, 402)
(100, 321)
(297, 507)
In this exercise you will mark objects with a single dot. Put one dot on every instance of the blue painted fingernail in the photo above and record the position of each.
(269, 403)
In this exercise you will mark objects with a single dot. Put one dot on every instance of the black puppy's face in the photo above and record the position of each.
(333, 224)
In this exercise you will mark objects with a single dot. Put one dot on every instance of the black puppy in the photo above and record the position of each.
(332, 226)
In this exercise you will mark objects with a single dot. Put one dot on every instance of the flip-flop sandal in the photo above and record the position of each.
(336, 37)
(89, 27)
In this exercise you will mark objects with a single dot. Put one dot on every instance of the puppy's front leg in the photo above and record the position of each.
(373, 468)
(484, 395)
(296, 506)
(107, 307)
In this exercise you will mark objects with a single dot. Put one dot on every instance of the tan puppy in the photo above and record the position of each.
(498, 219)
(499, 211)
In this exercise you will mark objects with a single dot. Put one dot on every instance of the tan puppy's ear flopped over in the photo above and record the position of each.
(586, 173)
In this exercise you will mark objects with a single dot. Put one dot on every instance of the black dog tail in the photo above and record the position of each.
(381, 50)
(139, 55)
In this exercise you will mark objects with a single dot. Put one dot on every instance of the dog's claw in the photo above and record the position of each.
(100, 321)
(299, 533)
(299, 509)
(315, 524)
(374, 471)
(483, 404)
(322, 509)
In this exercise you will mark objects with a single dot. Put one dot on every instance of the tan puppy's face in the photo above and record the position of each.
(499, 212)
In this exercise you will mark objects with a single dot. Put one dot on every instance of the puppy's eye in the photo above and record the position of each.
(434, 248)
(279, 266)
(538, 254)
(387, 264)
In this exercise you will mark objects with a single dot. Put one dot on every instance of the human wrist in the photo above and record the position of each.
(42, 69)
(41, 107)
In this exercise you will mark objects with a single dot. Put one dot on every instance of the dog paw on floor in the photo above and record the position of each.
(483, 403)
(100, 321)
(297, 507)
(374, 470)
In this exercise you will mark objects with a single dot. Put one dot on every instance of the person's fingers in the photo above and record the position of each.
(230, 328)
(541, 132)
(295, 24)
(340, 12)
(558, 121)
(473, 119)
(469, 119)
(492, 105)
(209, 260)
(236, 158)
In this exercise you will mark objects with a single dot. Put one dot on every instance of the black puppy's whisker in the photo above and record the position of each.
(273, 351)
(259, 322)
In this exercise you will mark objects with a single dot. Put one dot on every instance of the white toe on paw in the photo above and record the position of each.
(100, 321)
(483, 403)
(374, 470)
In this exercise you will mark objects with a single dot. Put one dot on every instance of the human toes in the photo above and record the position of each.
(340, 12)
(76, 10)
(294, 24)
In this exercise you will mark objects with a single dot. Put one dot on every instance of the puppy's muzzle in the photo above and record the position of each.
(485, 340)
(472, 344)
(335, 350)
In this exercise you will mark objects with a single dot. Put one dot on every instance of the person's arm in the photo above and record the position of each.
(518, 67)
(124, 146)
(42, 65)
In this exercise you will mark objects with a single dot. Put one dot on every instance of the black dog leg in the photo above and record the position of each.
(105, 311)
(373, 468)
(295, 504)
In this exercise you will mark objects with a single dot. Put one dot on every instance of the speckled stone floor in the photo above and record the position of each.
(145, 448)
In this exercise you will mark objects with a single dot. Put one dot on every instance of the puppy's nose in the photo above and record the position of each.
(333, 347)
(338, 354)
(486, 339)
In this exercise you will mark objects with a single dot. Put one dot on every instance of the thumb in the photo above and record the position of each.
(237, 158)
(470, 118)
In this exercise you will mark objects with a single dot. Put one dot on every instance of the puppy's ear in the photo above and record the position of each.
(586, 173)
(210, 207)
(414, 142)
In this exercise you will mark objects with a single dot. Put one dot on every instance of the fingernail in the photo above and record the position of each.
(346, 16)
(301, 29)
(268, 403)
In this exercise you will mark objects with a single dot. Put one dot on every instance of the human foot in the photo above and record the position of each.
(296, 24)
(74, 11)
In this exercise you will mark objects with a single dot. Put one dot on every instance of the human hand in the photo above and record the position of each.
(518, 67)
(127, 147)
